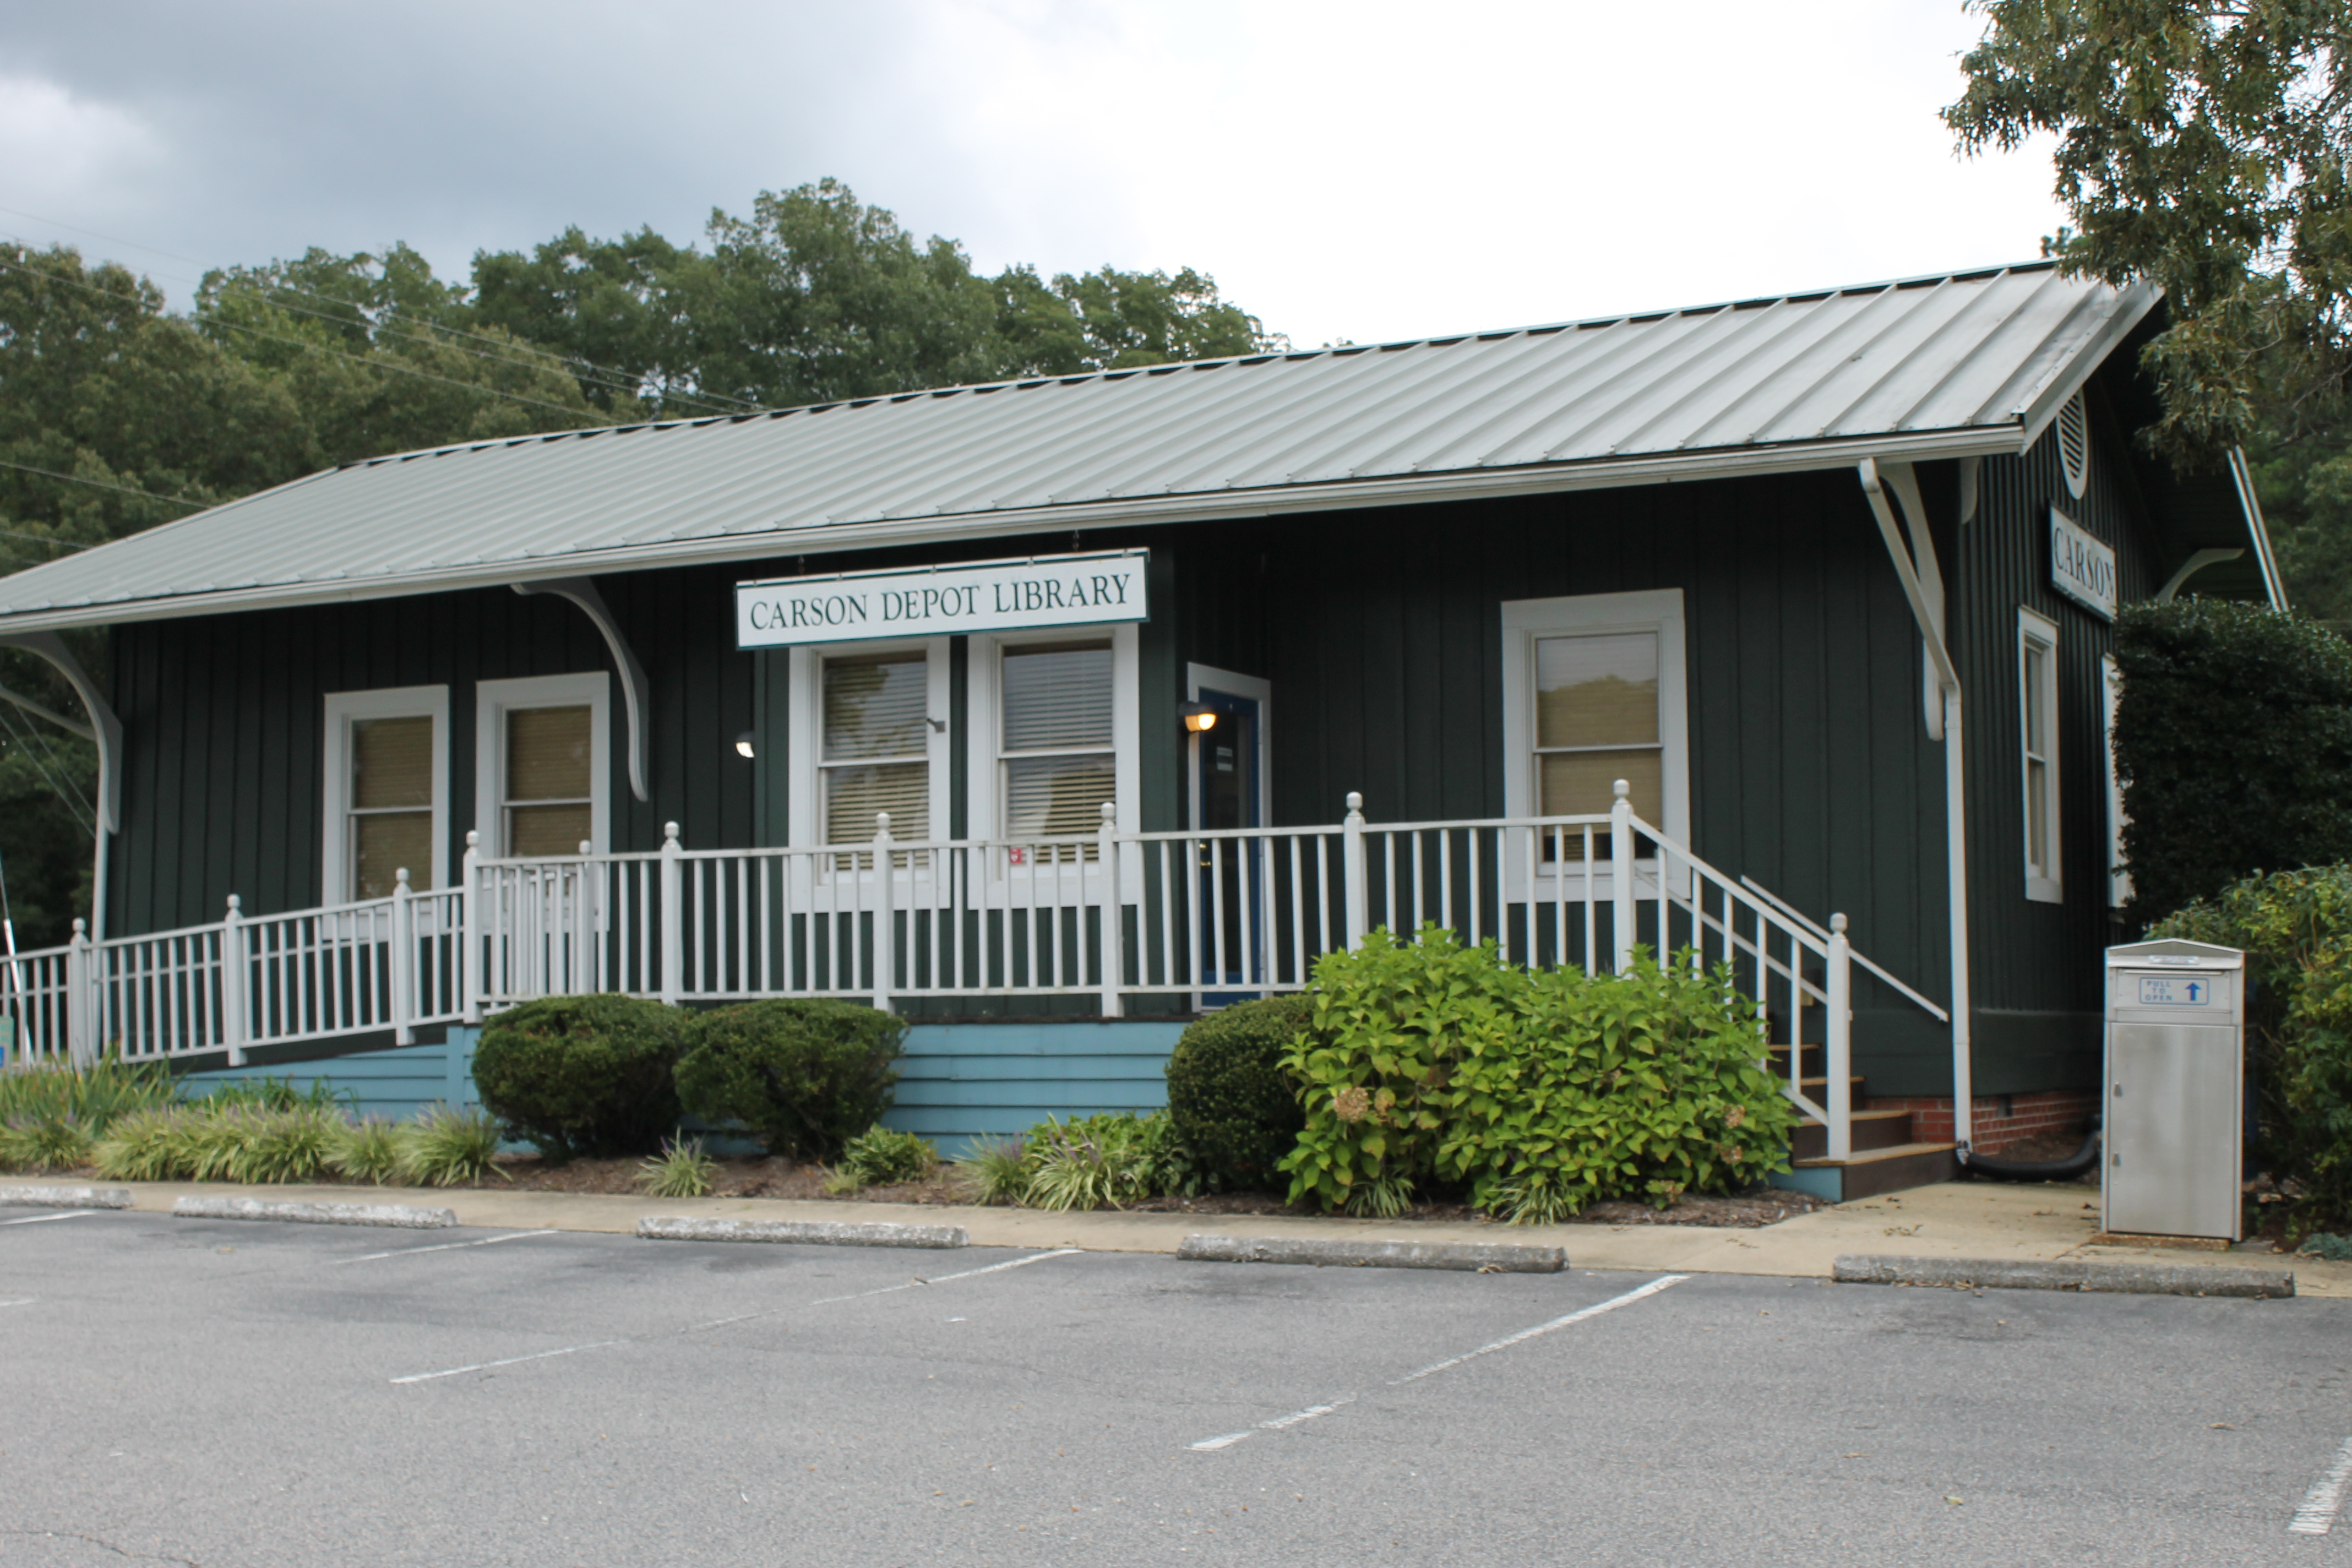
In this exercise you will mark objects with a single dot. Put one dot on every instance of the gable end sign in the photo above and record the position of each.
(942, 601)
(2081, 567)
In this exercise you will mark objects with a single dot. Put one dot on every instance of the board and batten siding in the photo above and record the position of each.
(2037, 966)
(1810, 770)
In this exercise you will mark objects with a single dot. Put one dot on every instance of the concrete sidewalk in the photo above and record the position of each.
(1955, 1219)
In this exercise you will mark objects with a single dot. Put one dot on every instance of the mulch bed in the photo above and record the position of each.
(779, 1178)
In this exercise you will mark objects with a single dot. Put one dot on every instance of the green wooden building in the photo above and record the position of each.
(1166, 680)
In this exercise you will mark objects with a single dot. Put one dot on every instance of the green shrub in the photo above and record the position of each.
(1543, 1093)
(680, 1171)
(2296, 927)
(268, 1094)
(807, 1077)
(1390, 1022)
(1231, 1106)
(2232, 738)
(1650, 1082)
(996, 1170)
(879, 1157)
(370, 1149)
(583, 1075)
(1098, 1162)
(447, 1146)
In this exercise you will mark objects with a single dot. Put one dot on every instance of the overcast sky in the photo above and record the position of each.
(1365, 170)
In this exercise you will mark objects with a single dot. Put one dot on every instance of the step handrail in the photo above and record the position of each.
(1941, 1016)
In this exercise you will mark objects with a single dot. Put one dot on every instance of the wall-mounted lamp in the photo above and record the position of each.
(744, 744)
(1200, 716)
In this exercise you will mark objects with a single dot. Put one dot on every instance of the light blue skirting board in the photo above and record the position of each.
(394, 1084)
(956, 1081)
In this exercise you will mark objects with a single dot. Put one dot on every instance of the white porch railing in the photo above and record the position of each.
(1212, 917)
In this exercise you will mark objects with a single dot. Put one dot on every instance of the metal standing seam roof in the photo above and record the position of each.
(1973, 363)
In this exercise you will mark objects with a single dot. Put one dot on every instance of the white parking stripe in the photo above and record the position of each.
(45, 1219)
(443, 1247)
(1299, 1418)
(26, 1302)
(2325, 1500)
(600, 1345)
(510, 1360)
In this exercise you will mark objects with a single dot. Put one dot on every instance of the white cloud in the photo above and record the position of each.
(63, 151)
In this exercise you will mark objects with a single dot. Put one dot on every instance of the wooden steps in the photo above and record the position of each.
(1886, 1157)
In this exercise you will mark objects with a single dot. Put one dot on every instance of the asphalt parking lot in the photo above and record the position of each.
(218, 1392)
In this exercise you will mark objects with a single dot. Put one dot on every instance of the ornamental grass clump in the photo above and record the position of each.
(370, 1151)
(93, 1096)
(680, 1171)
(290, 1145)
(47, 1143)
(447, 1146)
(995, 1171)
(1101, 1161)
(880, 1157)
(144, 1146)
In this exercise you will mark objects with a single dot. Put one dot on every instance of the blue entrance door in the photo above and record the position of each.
(1231, 870)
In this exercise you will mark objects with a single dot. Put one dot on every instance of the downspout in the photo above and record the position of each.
(1908, 562)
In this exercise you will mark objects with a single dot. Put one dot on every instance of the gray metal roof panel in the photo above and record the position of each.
(1962, 357)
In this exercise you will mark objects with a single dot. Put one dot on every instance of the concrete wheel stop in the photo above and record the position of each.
(66, 1197)
(398, 1215)
(1472, 1257)
(818, 1233)
(2127, 1279)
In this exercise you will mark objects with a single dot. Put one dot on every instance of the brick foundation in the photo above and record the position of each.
(2054, 1111)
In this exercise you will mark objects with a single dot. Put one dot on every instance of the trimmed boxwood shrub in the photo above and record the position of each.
(1236, 1111)
(2233, 739)
(583, 1075)
(807, 1076)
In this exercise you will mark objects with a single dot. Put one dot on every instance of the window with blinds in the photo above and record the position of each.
(876, 755)
(1055, 756)
(549, 805)
(1596, 722)
(391, 812)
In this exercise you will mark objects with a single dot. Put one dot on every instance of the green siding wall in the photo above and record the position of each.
(1381, 631)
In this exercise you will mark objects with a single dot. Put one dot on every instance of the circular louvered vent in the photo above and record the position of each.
(2074, 445)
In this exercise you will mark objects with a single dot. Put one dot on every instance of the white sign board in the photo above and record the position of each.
(941, 601)
(2165, 991)
(2081, 567)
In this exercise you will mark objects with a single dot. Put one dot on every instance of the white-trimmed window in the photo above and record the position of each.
(1594, 691)
(2037, 705)
(870, 735)
(542, 764)
(387, 771)
(1053, 734)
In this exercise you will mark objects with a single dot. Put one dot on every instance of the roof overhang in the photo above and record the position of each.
(1409, 489)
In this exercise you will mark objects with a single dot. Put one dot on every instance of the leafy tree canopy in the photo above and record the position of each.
(2203, 147)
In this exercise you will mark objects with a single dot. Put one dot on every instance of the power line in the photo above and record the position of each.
(614, 379)
(87, 822)
(95, 484)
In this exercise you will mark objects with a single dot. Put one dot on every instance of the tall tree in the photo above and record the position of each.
(815, 296)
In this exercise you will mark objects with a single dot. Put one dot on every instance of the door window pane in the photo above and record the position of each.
(392, 763)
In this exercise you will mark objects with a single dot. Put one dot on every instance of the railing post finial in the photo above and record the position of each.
(669, 835)
(235, 904)
(1356, 806)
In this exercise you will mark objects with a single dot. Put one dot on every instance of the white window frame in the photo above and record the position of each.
(2044, 884)
(804, 798)
(1525, 621)
(386, 702)
(2111, 690)
(493, 700)
(984, 796)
